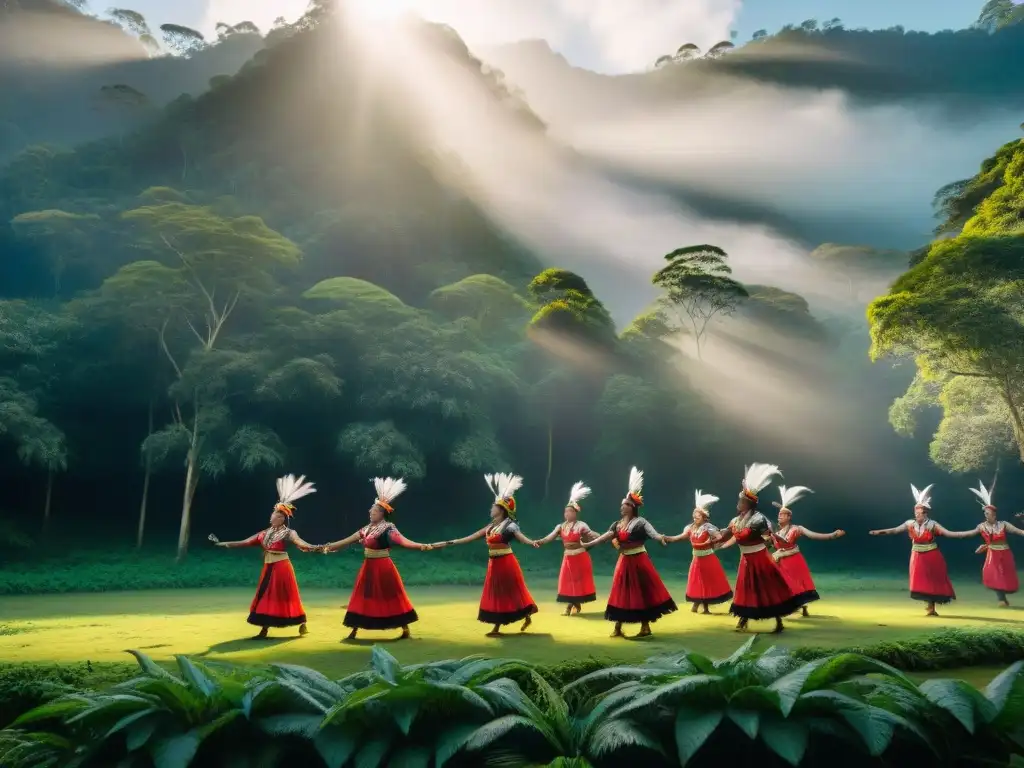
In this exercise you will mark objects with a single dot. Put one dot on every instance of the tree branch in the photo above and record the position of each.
(166, 349)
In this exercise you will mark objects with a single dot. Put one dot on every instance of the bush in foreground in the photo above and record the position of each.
(685, 709)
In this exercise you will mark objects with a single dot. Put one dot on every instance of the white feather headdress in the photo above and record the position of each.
(984, 494)
(388, 489)
(290, 489)
(756, 478)
(578, 493)
(635, 494)
(790, 495)
(504, 486)
(703, 500)
(922, 498)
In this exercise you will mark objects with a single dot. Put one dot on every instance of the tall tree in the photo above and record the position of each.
(63, 237)
(698, 287)
(184, 41)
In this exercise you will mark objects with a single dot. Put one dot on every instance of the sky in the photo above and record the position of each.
(604, 35)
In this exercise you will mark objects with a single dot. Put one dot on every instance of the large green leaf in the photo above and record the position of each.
(739, 653)
(786, 738)
(60, 709)
(372, 753)
(306, 726)
(874, 726)
(962, 701)
(451, 741)
(692, 729)
(488, 734)
(746, 720)
(335, 746)
(151, 668)
(615, 735)
(693, 691)
(1006, 692)
(176, 751)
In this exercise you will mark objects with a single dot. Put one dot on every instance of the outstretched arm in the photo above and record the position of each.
(820, 536)
(957, 534)
(466, 539)
(653, 534)
(729, 542)
(889, 531)
(1012, 529)
(394, 537)
(334, 546)
(599, 540)
(551, 536)
(252, 541)
(524, 538)
(298, 541)
(679, 536)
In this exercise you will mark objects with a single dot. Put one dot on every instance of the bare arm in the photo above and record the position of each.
(889, 531)
(303, 545)
(820, 536)
(1013, 529)
(957, 534)
(730, 542)
(653, 534)
(599, 540)
(334, 546)
(466, 539)
(252, 541)
(551, 536)
(524, 538)
(394, 537)
(680, 536)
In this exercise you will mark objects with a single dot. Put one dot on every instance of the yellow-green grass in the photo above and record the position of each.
(211, 624)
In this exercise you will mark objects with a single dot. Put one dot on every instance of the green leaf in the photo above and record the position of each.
(746, 721)
(789, 687)
(756, 698)
(874, 726)
(151, 668)
(372, 753)
(335, 746)
(451, 741)
(616, 735)
(958, 699)
(306, 726)
(692, 691)
(786, 738)
(692, 729)
(739, 653)
(176, 751)
(1001, 691)
(61, 709)
(196, 677)
(489, 733)
(404, 713)
(410, 757)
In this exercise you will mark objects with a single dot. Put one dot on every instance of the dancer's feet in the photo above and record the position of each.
(1004, 603)
(617, 632)
(526, 624)
(695, 607)
(930, 610)
(568, 610)
(406, 634)
(741, 625)
(303, 630)
(778, 627)
(706, 611)
(352, 634)
(496, 632)
(803, 611)
(645, 630)
(579, 608)
(262, 634)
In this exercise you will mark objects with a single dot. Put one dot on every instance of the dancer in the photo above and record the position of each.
(638, 594)
(999, 572)
(929, 579)
(706, 583)
(505, 599)
(576, 578)
(787, 551)
(277, 602)
(762, 592)
(378, 598)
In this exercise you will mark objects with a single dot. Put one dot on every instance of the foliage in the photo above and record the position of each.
(680, 709)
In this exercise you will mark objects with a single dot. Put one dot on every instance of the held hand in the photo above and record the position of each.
(838, 534)
(426, 547)
(664, 541)
(535, 544)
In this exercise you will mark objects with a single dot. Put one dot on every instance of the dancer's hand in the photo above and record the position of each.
(214, 539)
(838, 534)
(426, 547)
(535, 544)
(874, 533)
(664, 541)
(983, 548)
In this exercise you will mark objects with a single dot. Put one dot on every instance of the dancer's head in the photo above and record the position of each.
(785, 517)
(504, 487)
(572, 510)
(700, 516)
(921, 513)
(701, 502)
(498, 513)
(628, 509)
(289, 489)
(387, 490)
(756, 478)
(377, 513)
(571, 514)
(745, 504)
(990, 514)
(634, 499)
(279, 517)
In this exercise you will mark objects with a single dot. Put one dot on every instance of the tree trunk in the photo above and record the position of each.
(49, 499)
(551, 453)
(191, 481)
(1016, 418)
(145, 484)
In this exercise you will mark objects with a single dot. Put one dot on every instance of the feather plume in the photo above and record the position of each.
(790, 495)
(922, 498)
(503, 484)
(703, 500)
(291, 488)
(636, 482)
(578, 493)
(983, 493)
(389, 488)
(757, 477)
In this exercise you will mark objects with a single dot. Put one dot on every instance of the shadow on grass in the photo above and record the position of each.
(985, 619)
(247, 644)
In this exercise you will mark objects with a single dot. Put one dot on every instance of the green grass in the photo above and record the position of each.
(99, 628)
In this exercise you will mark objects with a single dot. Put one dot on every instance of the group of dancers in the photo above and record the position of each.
(770, 584)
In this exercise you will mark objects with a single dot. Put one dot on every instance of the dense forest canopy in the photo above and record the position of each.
(260, 278)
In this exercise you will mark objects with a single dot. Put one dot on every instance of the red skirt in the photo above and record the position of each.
(277, 602)
(505, 599)
(761, 590)
(576, 579)
(378, 598)
(638, 594)
(798, 576)
(929, 580)
(707, 582)
(1000, 572)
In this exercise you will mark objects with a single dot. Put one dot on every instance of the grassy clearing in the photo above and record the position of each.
(99, 628)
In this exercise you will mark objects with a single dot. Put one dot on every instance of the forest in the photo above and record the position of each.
(224, 289)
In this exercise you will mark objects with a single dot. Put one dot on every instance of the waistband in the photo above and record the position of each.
(274, 557)
(778, 554)
(571, 552)
(998, 547)
(632, 551)
(702, 552)
(751, 549)
(924, 547)
(375, 554)
(499, 552)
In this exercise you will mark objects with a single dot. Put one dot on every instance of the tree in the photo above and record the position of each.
(219, 262)
(719, 49)
(833, 25)
(184, 41)
(698, 286)
(759, 34)
(381, 448)
(129, 20)
(809, 26)
(63, 237)
(997, 14)
(125, 104)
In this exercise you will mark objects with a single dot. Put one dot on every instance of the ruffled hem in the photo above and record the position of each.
(361, 621)
(711, 600)
(641, 615)
(581, 599)
(926, 598)
(759, 612)
(501, 619)
(262, 620)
